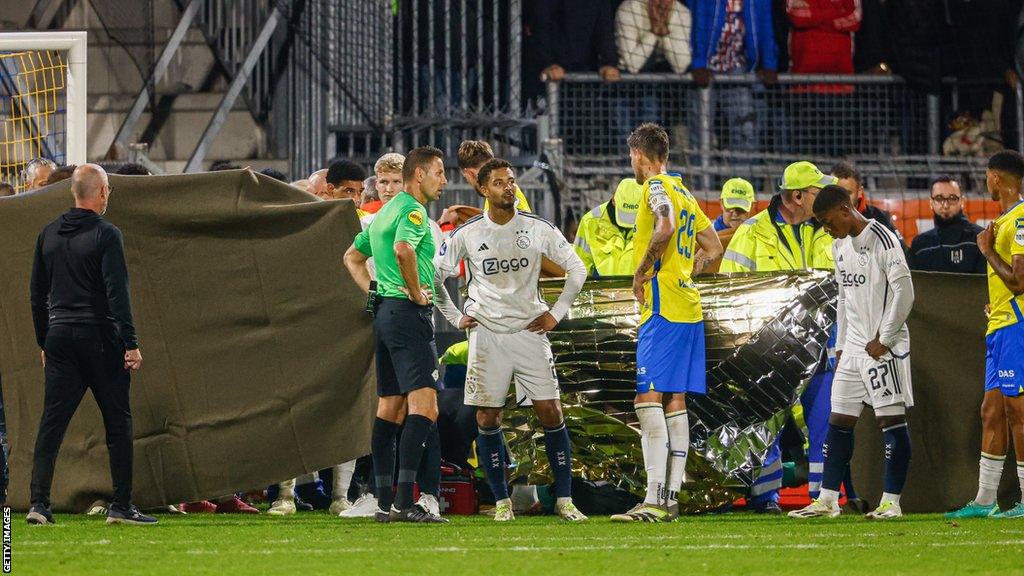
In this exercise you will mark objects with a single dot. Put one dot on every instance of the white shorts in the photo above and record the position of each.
(883, 384)
(495, 360)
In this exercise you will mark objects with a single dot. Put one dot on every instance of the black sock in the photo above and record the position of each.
(382, 445)
(897, 457)
(410, 453)
(491, 457)
(559, 452)
(429, 473)
(838, 450)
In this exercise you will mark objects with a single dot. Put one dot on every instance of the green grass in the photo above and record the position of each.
(315, 543)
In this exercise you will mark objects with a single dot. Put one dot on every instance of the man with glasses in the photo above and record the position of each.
(952, 245)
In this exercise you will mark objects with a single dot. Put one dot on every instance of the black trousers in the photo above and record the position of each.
(80, 357)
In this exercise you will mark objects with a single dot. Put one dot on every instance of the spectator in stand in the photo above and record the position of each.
(645, 32)
(568, 36)
(61, 173)
(133, 169)
(6, 189)
(851, 180)
(952, 245)
(345, 180)
(36, 172)
(643, 25)
(735, 37)
(821, 40)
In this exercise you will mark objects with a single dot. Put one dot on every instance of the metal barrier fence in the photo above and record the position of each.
(740, 127)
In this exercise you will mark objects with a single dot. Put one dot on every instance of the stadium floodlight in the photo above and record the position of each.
(42, 100)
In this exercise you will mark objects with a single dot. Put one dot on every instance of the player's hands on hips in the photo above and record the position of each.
(875, 349)
(638, 286)
(987, 239)
(42, 356)
(467, 322)
(542, 324)
(423, 296)
(132, 359)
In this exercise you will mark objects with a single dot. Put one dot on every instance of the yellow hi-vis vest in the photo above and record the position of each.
(765, 244)
(605, 248)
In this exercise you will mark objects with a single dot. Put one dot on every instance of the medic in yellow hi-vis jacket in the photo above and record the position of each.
(786, 237)
(604, 237)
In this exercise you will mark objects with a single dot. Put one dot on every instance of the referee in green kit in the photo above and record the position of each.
(403, 249)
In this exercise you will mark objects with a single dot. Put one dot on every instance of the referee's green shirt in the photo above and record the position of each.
(403, 219)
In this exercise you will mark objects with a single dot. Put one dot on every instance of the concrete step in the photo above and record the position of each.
(256, 164)
(239, 137)
(183, 102)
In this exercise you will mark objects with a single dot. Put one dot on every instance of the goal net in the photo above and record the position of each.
(42, 101)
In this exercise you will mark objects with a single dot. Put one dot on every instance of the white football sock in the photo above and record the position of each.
(990, 469)
(678, 424)
(343, 479)
(828, 497)
(887, 497)
(654, 440)
(287, 490)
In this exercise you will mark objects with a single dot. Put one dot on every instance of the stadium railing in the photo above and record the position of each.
(894, 132)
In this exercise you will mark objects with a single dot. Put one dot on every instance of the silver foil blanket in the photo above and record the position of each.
(766, 337)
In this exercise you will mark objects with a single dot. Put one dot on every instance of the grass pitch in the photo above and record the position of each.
(317, 543)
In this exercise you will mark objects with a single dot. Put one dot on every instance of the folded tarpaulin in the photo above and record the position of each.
(257, 351)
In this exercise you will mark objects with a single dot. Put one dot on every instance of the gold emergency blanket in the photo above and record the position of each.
(766, 336)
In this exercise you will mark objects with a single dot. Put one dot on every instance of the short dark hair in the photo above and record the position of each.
(943, 179)
(473, 154)
(6, 189)
(844, 169)
(342, 170)
(831, 196)
(275, 174)
(222, 165)
(650, 140)
(1008, 161)
(133, 169)
(419, 158)
(61, 173)
(490, 166)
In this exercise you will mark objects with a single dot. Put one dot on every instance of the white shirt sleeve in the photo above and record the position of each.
(840, 306)
(446, 265)
(559, 251)
(898, 274)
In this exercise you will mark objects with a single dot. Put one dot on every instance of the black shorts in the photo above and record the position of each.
(406, 353)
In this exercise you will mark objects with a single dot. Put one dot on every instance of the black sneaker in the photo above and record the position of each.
(382, 516)
(302, 506)
(415, 514)
(130, 515)
(39, 514)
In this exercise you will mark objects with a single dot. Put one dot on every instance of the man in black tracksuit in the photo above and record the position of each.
(83, 323)
(952, 246)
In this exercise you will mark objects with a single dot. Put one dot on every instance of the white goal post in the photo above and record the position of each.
(73, 50)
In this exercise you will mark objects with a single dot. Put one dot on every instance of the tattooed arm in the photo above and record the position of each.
(664, 227)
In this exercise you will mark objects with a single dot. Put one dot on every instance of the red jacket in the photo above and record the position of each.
(821, 41)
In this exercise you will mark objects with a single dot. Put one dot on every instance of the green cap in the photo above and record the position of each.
(738, 193)
(803, 174)
(627, 201)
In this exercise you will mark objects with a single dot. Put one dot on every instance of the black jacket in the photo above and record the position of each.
(951, 247)
(875, 213)
(79, 276)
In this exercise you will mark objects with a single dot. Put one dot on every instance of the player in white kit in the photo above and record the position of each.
(507, 320)
(872, 350)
